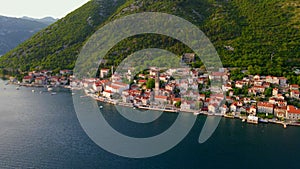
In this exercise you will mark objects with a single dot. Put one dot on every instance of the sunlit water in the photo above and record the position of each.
(39, 130)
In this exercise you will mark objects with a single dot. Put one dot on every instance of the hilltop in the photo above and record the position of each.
(45, 20)
(262, 37)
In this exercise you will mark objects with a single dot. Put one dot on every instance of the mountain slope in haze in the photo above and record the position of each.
(46, 20)
(14, 31)
(262, 36)
(58, 45)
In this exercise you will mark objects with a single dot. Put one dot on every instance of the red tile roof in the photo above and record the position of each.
(293, 109)
(265, 104)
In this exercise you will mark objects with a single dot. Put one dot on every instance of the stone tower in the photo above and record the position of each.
(157, 82)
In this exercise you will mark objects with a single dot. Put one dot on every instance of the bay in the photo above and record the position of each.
(40, 130)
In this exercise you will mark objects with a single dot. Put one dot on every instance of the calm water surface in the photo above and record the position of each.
(39, 130)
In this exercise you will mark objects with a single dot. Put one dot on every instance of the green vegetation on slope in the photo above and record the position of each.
(262, 36)
(58, 45)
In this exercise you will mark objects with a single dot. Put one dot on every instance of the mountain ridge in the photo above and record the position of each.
(46, 20)
(14, 31)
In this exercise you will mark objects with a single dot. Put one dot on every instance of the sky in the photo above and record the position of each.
(39, 8)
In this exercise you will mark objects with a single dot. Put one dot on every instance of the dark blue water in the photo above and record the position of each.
(42, 131)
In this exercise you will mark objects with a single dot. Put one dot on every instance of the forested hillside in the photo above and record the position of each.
(261, 36)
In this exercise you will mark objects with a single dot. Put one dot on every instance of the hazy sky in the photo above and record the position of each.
(39, 8)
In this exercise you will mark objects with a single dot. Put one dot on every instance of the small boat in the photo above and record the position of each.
(101, 107)
(263, 120)
(53, 93)
(17, 88)
(134, 108)
(243, 120)
(41, 92)
(252, 119)
(32, 91)
(83, 96)
(196, 113)
(50, 89)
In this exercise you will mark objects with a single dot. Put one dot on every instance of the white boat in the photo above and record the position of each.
(196, 113)
(53, 93)
(252, 119)
(50, 89)
(101, 107)
(32, 91)
(263, 120)
(243, 120)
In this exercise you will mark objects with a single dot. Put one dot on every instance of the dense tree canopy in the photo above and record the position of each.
(261, 36)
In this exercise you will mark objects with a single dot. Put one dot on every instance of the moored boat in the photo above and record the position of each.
(252, 119)
(196, 113)
(263, 120)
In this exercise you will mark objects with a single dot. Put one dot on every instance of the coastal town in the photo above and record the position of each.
(254, 98)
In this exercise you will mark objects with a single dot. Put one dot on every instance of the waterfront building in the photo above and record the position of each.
(126, 98)
(117, 87)
(265, 107)
(223, 109)
(162, 100)
(40, 80)
(233, 107)
(280, 111)
(252, 110)
(107, 94)
(27, 79)
(212, 108)
(187, 105)
(292, 113)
